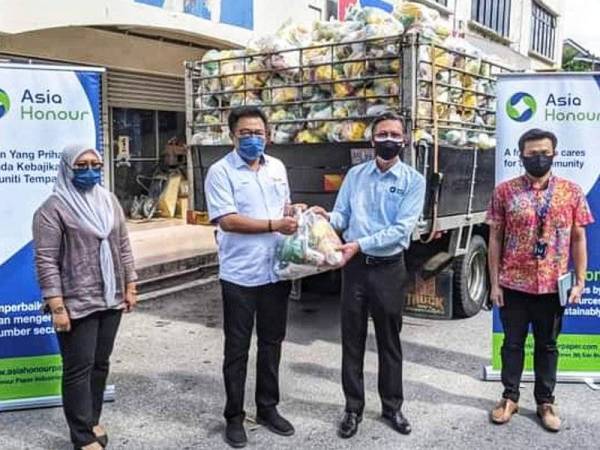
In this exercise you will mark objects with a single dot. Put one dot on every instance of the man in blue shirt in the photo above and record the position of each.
(247, 194)
(377, 209)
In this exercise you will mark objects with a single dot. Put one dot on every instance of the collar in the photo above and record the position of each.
(528, 184)
(396, 170)
(239, 163)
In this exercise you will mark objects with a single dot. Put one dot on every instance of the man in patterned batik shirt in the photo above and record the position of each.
(537, 223)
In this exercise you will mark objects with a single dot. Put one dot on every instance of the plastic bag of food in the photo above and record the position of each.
(442, 94)
(318, 55)
(285, 95)
(343, 89)
(314, 136)
(424, 110)
(469, 100)
(353, 131)
(285, 132)
(314, 248)
(455, 137)
(418, 18)
(423, 135)
(295, 35)
(386, 86)
(354, 69)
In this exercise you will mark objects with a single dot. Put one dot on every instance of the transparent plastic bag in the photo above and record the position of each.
(313, 249)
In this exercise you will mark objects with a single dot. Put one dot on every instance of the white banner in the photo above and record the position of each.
(569, 106)
(42, 110)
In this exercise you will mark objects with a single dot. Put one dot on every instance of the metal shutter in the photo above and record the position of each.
(135, 90)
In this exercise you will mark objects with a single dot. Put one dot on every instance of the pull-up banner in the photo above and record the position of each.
(42, 110)
(569, 106)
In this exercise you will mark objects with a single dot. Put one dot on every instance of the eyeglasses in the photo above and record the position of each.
(88, 165)
(388, 136)
(246, 132)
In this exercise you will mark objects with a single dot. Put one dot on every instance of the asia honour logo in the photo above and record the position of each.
(521, 107)
(4, 103)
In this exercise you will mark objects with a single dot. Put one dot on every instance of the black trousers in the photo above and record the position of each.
(378, 291)
(545, 314)
(85, 351)
(240, 304)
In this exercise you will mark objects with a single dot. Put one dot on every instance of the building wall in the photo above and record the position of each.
(515, 50)
(101, 48)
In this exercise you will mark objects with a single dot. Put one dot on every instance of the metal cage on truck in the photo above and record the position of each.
(447, 97)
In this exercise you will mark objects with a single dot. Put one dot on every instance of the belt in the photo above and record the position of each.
(380, 260)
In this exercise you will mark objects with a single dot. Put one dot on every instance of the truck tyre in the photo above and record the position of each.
(471, 285)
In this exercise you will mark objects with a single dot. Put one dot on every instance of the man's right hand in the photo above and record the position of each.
(320, 211)
(497, 296)
(287, 225)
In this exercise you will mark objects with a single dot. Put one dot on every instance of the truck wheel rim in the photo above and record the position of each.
(477, 277)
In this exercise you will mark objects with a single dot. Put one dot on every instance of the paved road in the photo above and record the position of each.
(167, 367)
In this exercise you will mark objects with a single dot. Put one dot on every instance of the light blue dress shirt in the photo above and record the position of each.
(231, 187)
(379, 210)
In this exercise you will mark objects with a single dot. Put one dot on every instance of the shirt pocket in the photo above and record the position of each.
(245, 197)
(279, 189)
(392, 198)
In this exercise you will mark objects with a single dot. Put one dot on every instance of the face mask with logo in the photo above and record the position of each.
(537, 165)
(86, 179)
(251, 148)
(388, 149)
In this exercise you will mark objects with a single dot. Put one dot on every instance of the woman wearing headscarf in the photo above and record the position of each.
(86, 272)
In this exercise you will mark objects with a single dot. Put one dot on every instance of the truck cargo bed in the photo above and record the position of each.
(465, 171)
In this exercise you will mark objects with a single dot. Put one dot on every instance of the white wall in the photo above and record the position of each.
(31, 15)
(270, 14)
(520, 29)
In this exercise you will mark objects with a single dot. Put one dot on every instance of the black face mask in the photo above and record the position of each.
(537, 165)
(388, 149)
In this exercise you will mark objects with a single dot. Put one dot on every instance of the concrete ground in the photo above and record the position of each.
(167, 371)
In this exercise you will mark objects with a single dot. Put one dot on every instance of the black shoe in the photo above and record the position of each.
(274, 422)
(102, 440)
(349, 425)
(235, 435)
(398, 422)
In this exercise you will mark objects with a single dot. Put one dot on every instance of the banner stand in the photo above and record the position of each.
(43, 109)
(589, 378)
(567, 105)
(47, 402)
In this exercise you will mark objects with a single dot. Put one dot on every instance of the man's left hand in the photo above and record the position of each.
(349, 250)
(290, 210)
(576, 292)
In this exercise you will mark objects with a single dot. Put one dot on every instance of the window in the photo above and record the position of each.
(543, 31)
(442, 2)
(331, 9)
(493, 14)
(146, 133)
(140, 127)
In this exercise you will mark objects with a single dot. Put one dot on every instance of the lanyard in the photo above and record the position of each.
(541, 210)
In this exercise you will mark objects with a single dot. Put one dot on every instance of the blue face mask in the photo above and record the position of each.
(86, 179)
(251, 148)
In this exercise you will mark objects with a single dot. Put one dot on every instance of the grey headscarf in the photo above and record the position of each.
(94, 210)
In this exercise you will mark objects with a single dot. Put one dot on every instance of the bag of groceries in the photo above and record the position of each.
(314, 248)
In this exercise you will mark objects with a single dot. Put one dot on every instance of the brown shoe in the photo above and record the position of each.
(548, 413)
(504, 410)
